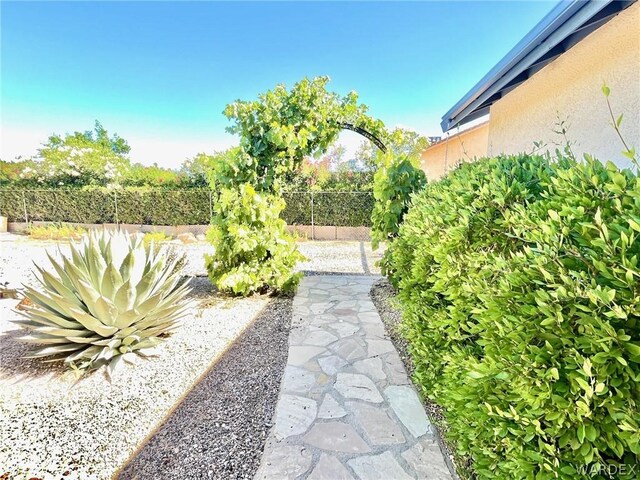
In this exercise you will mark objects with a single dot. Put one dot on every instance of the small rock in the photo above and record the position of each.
(187, 237)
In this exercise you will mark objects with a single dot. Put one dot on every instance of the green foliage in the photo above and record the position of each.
(329, 173)
(155, 238)
(407, 143)
(88, 158)
(400, 142)
(140, 206)
(343, 209)
(197, 170)
(346, 179)
(616, 122)
(164, 207)
(283, 126)
(57, 231)
(93, 158)
(253, 251)
(519, 283)
(113, 298)
(138, 175)
(394, 183)
(94, 205)
(10, 172)
(143, 206)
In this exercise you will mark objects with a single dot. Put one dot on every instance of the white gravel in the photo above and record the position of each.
(322, 256)
(340, 257)
(54, 427)
(17, 251)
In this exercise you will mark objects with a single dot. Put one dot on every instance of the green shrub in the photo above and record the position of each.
(519, 282)
(253, 251)
(344, 209)
(164, 207)
(100, 205)
(394, 183)
(155, 237)
(95, 205)
(112, 298)
(172, 207)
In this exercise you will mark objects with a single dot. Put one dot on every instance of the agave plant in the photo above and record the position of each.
(113, 298)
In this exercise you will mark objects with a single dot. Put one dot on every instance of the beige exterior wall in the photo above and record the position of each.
(467, 145)
(569, 88)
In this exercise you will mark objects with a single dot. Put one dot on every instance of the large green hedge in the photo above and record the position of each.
(135, 206)
(344, 209)
(519, 281)
(172, 207)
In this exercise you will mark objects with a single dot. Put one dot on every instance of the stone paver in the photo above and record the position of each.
(347, 409)
(330, 408)
(356, 385)
(329, 468)
(294, 416)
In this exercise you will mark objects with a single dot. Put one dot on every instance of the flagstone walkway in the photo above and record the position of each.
(347, 409)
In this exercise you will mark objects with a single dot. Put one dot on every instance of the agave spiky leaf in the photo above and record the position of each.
(113, 297)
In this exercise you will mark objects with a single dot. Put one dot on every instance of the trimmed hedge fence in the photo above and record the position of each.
(173, 207)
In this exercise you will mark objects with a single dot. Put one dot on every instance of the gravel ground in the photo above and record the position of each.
(340, 257)
(219, 429)
(53, 427)
(322, 256)
(56, 427)
(383, 296)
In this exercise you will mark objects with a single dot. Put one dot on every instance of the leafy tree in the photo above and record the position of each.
(197, 170)
(335, 156)
(89, 158)
(329, 173)
(401, 142)
(139, 175)
(13, 173)
(311, 175)
(277, 131)
(407, 142)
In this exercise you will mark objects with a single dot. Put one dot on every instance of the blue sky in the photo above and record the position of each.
(160, 74)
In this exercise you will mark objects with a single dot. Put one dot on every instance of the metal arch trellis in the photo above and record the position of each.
(354, 128)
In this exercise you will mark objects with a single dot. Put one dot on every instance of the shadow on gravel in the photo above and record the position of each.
(15, 363)
(14, 353)
(219, 428)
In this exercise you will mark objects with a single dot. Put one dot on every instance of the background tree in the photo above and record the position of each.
(80, 158)
(139, 175)
(198, 170)
(335, 156)
(13, 173)
(401, 142)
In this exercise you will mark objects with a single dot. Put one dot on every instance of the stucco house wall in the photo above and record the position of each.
(468, 145)
(569, 89)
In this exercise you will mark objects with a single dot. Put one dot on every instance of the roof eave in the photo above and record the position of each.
(534, 51)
